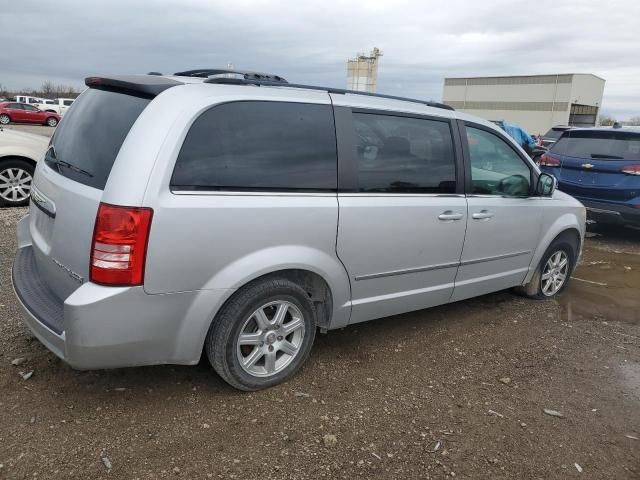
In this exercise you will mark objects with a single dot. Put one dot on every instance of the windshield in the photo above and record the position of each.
(87, 142)
(602, 145)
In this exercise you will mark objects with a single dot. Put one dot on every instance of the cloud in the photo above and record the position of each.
(309, 42)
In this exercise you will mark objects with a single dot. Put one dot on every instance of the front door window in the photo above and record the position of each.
(496, 168)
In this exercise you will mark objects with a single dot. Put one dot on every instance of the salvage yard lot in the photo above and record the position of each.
(457, 390)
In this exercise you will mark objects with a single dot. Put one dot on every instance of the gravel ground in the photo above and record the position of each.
(457, 390)
(36, 129)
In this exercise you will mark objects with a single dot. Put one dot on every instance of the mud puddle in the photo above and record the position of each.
(605, 286)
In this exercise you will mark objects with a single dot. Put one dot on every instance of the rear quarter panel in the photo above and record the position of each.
(220, 240)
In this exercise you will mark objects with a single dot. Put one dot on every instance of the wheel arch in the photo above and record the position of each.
(7, 158)
(567, 226)
(312, 282)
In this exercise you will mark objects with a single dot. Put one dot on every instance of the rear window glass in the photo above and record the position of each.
(603, 145)
(251, 146)
(86, 143)
(555, 134)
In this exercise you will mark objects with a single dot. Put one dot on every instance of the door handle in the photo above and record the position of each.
(448, 216)
(482, 215)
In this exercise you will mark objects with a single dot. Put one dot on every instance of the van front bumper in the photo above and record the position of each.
(110, 327)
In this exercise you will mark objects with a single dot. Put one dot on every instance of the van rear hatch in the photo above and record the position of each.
(68, 186)
(599, 164)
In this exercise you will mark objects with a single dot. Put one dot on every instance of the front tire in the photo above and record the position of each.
(262, 335)
(553, 272)
(15, 182)
(52, 122)
(4, 119)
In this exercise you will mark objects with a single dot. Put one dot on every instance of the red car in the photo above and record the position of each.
(24, 113)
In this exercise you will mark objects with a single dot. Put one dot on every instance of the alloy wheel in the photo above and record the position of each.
(15, 184)
(4, 119)
(270, 338)
(555, 273)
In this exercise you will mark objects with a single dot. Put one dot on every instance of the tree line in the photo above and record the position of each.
(48, 89)
(608, 121)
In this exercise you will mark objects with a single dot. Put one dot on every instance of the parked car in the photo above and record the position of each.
(23, 113)
(176, 214)
(601, 168)
(553, 134)
(27, 99)
(19, 152)
(58, 105)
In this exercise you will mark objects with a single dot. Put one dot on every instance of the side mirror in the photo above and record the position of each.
(547, 184)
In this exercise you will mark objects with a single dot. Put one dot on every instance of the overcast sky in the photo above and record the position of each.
(309, 41)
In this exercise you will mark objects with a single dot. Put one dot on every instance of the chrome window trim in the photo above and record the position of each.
(386, 195)
(313, 194)
(244, 193)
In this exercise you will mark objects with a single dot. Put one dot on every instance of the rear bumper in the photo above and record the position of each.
(612, 212)
(110, 327)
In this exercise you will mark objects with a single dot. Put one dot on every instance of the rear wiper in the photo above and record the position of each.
(62, 163)
(602, 155)
(51, 158)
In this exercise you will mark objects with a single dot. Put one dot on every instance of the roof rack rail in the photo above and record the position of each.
(208, 72)
(237, 81)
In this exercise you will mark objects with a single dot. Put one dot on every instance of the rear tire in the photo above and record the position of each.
(5, 119)
(262, 335)
(15, 182)
(554, 271)
(52, 122)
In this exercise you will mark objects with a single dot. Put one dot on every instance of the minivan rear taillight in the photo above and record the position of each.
(632, 170)
(548, 161)
(119, 245)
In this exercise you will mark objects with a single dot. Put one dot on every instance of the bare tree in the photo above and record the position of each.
(48, 89)
(607, 120)
(635, 121)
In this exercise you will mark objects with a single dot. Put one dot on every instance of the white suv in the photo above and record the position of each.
(178, 213)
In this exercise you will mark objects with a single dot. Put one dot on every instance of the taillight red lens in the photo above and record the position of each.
(632, 170)
(119, 246)
(549, 161)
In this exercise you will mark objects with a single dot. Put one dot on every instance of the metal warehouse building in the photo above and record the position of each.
(535, 102)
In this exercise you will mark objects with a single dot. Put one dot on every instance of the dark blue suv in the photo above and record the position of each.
(601, 168)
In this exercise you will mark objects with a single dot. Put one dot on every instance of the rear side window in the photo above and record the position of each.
(259, 146)
(599, 145)
(86, 143)
(67, 103)
(404, 155)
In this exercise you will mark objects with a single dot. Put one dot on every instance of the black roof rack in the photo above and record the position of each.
(237, 81)
(208, 72)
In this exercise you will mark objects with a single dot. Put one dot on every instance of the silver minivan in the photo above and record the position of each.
(239, 214)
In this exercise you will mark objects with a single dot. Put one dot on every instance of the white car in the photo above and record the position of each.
(19, 153)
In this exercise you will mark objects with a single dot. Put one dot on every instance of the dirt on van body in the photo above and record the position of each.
(495, 387)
